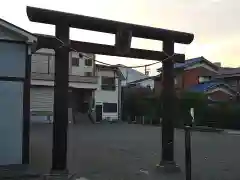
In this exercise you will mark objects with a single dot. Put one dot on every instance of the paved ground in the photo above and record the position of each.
(129, 152)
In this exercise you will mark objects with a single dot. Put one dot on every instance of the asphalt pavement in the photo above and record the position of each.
(129, 152)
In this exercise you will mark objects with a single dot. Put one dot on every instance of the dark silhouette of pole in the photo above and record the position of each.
(168, 105)
(60, 123)
(188, 161)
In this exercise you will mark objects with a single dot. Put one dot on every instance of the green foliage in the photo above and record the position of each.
(222, 115)
(186, 101)
(140, 102)
(192, 99)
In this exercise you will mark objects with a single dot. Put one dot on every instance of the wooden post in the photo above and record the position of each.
(168, 105)
(60, 123)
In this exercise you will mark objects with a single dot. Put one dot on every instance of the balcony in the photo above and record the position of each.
(72, 78)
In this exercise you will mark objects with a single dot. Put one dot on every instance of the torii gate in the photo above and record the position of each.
(123, 35)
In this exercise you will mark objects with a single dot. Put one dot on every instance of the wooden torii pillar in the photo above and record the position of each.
(123, 33)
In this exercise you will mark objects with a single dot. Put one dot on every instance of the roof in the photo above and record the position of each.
(31, 37)
(143, 79)
(191, 62)
(204, 87)
(111, 68)
(100, 66)
(228, 72)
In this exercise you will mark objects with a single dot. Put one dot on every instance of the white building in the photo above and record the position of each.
(133, 76)
(88, 97)
(108, 93)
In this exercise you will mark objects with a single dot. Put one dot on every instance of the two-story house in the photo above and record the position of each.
(86, 88)
(197, 75)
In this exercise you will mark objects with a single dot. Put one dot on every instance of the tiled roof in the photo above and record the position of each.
(190, 62)
(203, 87)
(187, 63)
(226, 70)
(228, 73)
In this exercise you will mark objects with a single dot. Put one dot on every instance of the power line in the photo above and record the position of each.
(168, 57)
(146, 65)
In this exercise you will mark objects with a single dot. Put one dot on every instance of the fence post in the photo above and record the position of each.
(143, 120)
(188, 161)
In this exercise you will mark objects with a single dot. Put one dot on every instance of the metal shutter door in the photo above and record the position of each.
(42, 100)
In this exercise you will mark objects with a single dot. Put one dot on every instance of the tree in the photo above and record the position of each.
(138, 101)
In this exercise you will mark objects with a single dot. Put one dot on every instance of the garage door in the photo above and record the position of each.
(42, 100)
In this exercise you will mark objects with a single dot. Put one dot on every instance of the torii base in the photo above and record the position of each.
(168, 167)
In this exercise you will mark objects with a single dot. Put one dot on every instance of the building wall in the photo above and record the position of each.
(190, 77)
(220, 95)
(43, 61)
(131, 75)
(12, 64)
(187, 78)
(146, 83)
(233, 83)
(107, 96)
(82, 68)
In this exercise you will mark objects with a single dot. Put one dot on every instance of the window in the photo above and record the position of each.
(75, 61)
(110, 107)
(108, 83)
(203, 79)
(88, 73)
(88, 62)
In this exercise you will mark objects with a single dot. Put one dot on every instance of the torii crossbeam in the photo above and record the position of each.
(123, 33)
